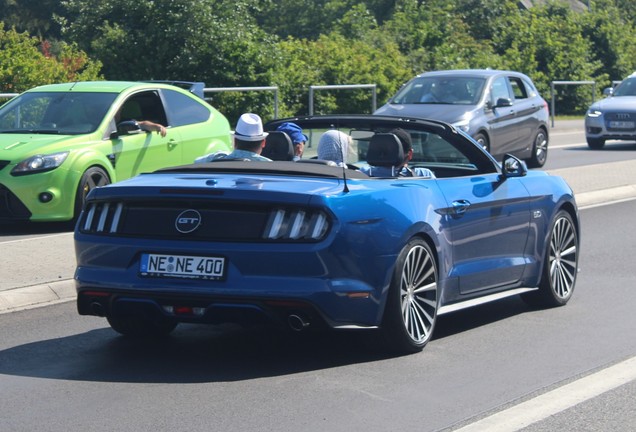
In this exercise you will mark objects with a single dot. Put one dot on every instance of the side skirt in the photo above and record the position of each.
(482, 300)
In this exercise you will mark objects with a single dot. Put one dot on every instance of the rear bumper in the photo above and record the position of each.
(331, 304)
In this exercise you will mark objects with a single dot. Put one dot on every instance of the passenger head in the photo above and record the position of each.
(297, 136)
(405, 140)
(249, 133)
(334, 146)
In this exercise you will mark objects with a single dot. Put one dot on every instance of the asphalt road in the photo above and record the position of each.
(64, 372)
(498, 367)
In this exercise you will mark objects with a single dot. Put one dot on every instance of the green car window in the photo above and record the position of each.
(183, 109)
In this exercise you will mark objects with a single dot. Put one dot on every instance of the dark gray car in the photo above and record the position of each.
(502, 110)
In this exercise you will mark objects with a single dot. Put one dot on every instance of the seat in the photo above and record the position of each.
(278, 147)
(385, 150)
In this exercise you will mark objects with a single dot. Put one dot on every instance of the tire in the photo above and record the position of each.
(560, 265)
(595, 143)
(411, 307)
(136, 326)
(482, 140)
(539, 150)
(92, 178)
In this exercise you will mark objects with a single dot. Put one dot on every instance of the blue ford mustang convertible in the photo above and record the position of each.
(308, 245)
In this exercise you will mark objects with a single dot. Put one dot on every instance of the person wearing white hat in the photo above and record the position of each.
(249, 140)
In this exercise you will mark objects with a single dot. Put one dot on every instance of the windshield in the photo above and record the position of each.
(68, 113)
(441, 90)
(428, 147)
(626, 88)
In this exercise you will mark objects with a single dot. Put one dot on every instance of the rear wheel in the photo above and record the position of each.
(560, 265)
(539, 150)
(137, 326)
(595, 143)
(411, 308)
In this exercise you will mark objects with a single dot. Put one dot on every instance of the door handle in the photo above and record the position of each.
(460, 206)
(172, 143)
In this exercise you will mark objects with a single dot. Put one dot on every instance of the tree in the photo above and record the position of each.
(31, 16)
(207, 40)
(546, 42)
(26, 62)
(613, 41)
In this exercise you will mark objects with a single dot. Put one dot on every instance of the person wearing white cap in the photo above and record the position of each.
(249, 140)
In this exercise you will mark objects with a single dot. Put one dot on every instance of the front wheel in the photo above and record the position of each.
(482, 140)
(539, 150)
(560, 265)
(595, 143)
(92, 178)
(411, 308)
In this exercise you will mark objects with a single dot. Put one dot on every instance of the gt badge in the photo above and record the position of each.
(188, 221)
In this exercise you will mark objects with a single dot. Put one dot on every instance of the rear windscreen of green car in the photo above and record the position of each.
(64, 113)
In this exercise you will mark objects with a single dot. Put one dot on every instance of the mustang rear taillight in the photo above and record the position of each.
(296, 224)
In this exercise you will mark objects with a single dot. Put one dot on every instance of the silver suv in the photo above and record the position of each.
(613, 118)
(501, 110)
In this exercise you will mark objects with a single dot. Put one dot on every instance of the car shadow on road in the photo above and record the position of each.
(15, 228)
(219, 353)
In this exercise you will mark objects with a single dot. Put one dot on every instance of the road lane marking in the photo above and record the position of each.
(567, 145)
(557, 400)
(36, 238)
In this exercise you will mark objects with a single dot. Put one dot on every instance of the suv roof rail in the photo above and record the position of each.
(193, 87)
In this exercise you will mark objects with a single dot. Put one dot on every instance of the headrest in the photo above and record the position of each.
(385, 150)
(278, 147)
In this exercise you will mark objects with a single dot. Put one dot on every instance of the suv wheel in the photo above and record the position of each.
(595, 143)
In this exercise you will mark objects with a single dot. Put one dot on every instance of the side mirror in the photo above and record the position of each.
(128, 127)
(511, 166)
(609, 91)
(503, 102)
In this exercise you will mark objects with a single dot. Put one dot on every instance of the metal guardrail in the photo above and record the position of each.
(248, 89)
(552, 93)
(342, 87)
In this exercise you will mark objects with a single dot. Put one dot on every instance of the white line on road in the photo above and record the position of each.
(567, 145)
(36, 238)
(558, 400)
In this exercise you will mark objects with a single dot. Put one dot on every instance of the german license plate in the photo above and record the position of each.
(182, 266)
(622, 124)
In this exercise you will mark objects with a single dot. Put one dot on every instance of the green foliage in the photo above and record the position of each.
(23, 65)
(293, 44)
(31, 16)
(613, 40)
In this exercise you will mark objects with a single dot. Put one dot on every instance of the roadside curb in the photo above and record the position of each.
(604, 196)
(37, 295)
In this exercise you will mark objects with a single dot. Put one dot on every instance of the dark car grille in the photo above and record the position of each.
(620, 121)
(11, 208)
(219, 221)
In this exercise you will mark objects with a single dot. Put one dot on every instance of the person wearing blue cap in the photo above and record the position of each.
(297, 136)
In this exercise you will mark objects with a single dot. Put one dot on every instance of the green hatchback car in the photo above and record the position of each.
(59, 141)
